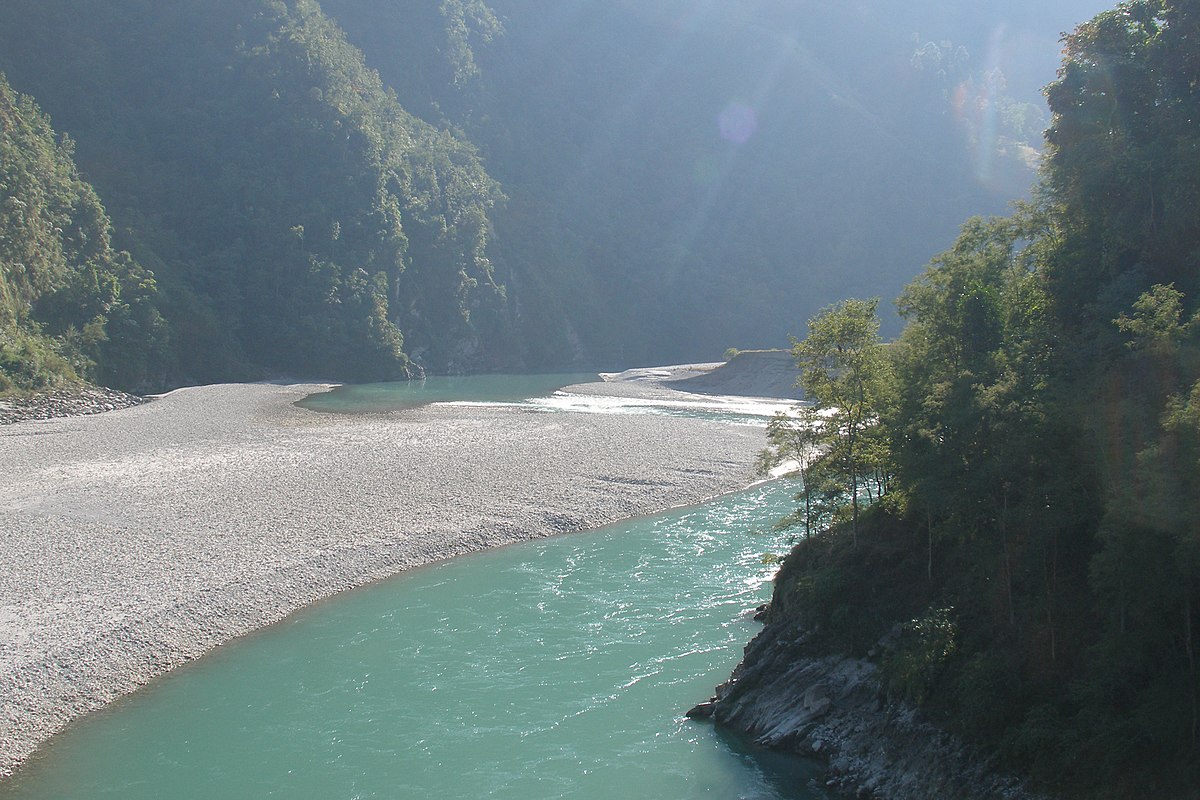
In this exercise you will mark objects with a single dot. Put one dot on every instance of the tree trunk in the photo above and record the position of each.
(1191, 654)
(807, 505)
(854, 504)
(1051, 578)
(929, 560)
(1122, 605)
(1008, 581)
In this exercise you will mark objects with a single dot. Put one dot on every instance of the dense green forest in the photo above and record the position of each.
(295, 216)
(71, 306)
(1031, 443)
(365, 189)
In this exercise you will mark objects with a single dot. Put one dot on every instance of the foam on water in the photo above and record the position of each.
(541, 393)
(734, 410)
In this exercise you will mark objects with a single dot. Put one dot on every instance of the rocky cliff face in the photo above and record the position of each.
(788, 695)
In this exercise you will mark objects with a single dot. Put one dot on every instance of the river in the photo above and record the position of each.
(554, 668)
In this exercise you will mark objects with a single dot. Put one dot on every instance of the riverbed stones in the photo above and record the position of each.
(140, 538)
(66, 402)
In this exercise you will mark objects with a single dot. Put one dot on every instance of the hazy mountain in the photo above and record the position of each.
(528, 183)
(684, 176)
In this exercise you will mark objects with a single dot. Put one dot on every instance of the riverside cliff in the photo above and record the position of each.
(789, 694)
(826, 686)
(1032, 437)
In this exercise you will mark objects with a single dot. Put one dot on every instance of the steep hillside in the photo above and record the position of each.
(298, 219)
(71, 306)
(1029, 576)
(686, 176)
(680, 176)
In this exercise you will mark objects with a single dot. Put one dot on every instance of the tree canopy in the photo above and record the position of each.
(71, 306)
(847, 376)
(298, 220)
(1044, 439)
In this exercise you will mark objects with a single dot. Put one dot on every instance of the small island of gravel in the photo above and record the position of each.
(140, 538)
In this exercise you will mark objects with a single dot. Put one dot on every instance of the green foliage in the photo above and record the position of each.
(71, 306)
(215, 130)
(847, 375)
(1045, 441)
(850, 596)
(297, 218)
(465, 20)
(30, 362)
(1122, 149)
(1157, 321)
(923, 648)
(635, 230)
(798, 440)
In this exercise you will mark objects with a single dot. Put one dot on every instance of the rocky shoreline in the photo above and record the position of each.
(787, 694)
(73, 401)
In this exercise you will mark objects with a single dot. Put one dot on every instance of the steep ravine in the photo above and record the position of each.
(790, 694)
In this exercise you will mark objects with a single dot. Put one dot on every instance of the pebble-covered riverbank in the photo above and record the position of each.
(68, 402)
(138, 539)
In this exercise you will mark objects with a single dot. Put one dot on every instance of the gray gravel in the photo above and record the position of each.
(135, 540)
(72, 401)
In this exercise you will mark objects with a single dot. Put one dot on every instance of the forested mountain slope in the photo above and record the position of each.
(680, 176)
(71, 306)
(297, 218)
(684, 176)
(1030, 572)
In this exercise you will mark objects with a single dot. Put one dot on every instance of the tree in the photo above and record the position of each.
(1157, 321)
(845, 372)
(795, 440)
(1147, 571)
(71, 304)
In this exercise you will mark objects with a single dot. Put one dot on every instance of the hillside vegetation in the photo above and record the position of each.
(1035, 434)
(71, 306)
(296, 217)
(676, 168)
(361, 189)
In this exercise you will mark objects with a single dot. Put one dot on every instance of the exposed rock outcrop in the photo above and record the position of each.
(788, 695)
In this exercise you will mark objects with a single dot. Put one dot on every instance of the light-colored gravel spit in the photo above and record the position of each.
(135, 540)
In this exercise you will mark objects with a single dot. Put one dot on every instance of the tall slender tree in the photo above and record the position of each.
(845, 372)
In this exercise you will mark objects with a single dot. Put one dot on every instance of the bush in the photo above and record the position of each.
(924, 646)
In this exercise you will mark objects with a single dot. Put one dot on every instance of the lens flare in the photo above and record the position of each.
(737, 122)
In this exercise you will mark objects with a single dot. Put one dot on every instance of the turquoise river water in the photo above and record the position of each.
(536, 392)
(555, 668)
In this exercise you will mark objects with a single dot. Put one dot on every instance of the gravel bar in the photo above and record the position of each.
(138, 539)
(74, 401)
